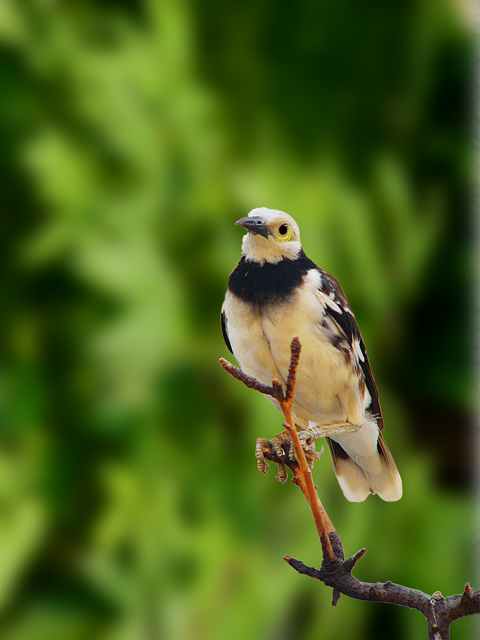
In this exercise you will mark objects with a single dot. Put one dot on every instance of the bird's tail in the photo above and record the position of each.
(361, 468)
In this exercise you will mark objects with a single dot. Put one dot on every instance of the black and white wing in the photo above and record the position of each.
(340, 322)
(358, 475)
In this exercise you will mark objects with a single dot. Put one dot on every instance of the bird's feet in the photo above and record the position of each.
(280, 450)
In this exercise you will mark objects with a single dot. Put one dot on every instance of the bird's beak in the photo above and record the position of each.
(255, 224)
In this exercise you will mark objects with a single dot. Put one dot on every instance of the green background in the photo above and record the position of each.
(133, 135)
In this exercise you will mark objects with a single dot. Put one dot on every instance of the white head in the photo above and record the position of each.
(272, 236)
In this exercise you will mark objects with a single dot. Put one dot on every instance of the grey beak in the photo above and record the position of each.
(255, 224)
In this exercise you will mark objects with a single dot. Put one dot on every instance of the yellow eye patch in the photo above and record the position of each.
(284, 233)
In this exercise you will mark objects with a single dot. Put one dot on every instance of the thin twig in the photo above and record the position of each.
(252, 383)
(301, 470)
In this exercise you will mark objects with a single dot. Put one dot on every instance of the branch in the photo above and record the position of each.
(299, 466)
(440, 612)
(336, 572)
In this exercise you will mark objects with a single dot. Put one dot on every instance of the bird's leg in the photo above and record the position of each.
(333, 429)
(283, 443)
(281, 451)
(307, 440)
(264, 448)
(280, 441)
(261, 448)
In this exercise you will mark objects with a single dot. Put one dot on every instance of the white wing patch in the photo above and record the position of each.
(327, 300)
(330, 302)
(357, 351)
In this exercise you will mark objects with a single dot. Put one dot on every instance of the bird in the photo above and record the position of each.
(275, 293)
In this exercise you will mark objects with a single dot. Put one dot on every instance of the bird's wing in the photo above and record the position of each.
(225, 332)
(346, 335)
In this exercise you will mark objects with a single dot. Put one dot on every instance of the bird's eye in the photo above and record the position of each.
(282, 229)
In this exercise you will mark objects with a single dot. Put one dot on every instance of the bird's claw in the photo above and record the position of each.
(262, 447)
(280, 449)
(282, 472)
(307, 440)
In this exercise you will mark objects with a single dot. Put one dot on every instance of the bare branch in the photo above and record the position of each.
(252, 383)
(336, 572)
(295, 349)
(439, 611)
(266, 449)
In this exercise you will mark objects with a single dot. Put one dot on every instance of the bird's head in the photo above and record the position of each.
(272, 236)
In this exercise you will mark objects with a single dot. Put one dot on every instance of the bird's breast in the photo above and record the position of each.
(261, 335)
(249, 342)
(323, 374)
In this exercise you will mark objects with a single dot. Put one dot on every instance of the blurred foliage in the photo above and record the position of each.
(133, 135)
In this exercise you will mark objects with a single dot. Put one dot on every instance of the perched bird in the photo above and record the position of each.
(275, 293)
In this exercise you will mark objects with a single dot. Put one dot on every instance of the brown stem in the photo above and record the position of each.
(303, 477)
(301, 470)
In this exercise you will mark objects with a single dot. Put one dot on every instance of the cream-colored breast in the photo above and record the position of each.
(327, 389)
(249, 342)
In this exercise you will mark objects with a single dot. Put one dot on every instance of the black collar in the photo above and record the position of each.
(265, 283)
